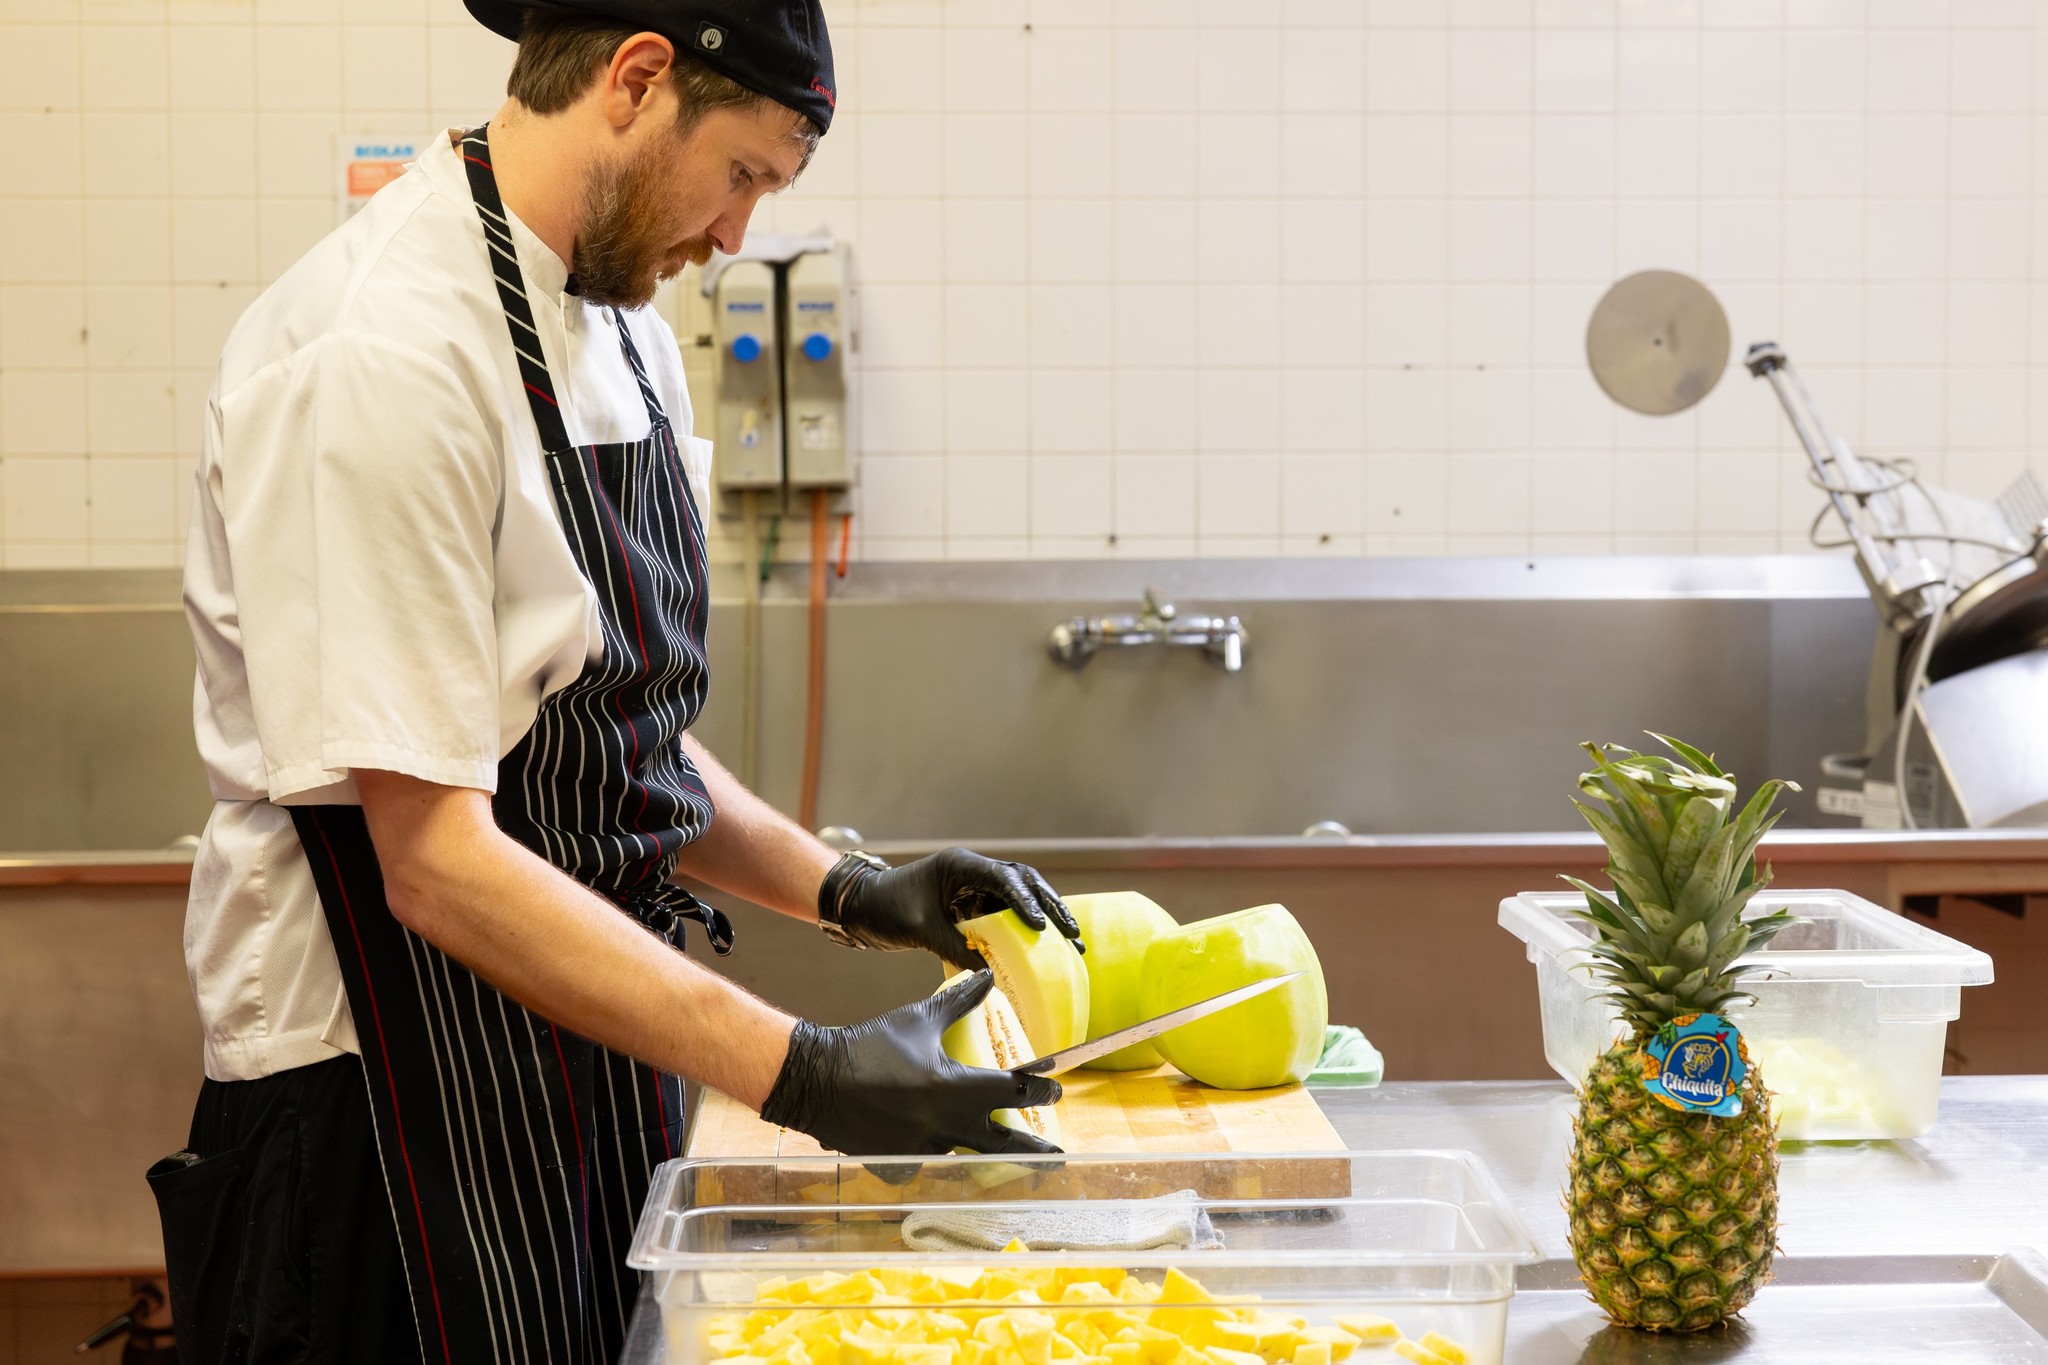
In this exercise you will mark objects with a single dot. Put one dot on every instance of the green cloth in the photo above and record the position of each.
(1348, 1059)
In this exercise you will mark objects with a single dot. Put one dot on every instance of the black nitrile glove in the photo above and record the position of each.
(918, 905)
(884, 1088)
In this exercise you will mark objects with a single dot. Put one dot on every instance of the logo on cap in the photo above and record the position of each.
(710, 37)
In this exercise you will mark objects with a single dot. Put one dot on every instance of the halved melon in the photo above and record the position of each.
(1118, 926)
(991, 1035)
(1040, 973)
(1271, 1039)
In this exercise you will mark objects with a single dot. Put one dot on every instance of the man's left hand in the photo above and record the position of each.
(919, 904)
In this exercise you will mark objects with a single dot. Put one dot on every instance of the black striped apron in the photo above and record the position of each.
(516, 1154)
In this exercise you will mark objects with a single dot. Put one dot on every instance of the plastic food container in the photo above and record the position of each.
(1424, 1239)
(1852, 1008)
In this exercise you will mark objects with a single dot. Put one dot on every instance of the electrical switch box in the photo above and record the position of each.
(749, 449)
(818, 333)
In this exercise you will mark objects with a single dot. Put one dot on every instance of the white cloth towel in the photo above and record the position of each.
(1172, 1221)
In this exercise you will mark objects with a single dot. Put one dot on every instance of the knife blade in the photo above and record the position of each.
(1066, 1059)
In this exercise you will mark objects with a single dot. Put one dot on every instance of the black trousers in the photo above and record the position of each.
(278, 1232)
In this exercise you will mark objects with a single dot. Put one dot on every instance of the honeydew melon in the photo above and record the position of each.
(1118, 926)
(991, 1035)
(1271, 1039)
(1040, 973)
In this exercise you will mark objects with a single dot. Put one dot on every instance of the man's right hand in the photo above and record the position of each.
(885, 1087)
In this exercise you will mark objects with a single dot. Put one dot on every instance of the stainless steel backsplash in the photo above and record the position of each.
(1391, 696)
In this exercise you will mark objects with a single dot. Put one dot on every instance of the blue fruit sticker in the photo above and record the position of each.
(1696, 1064)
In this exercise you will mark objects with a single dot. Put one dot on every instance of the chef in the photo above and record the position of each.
(446, 578)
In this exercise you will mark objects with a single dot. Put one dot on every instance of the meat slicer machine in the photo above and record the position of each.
(1956, 706)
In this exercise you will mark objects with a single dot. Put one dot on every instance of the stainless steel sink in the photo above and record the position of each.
(1388, 696)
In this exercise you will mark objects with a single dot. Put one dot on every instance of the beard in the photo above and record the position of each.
(624, 250)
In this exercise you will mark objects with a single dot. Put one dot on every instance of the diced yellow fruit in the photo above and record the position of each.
(1340, 1342)
(1083, 1333)
(1123, 1353)
(1445, 1347)
(860, 1288)
(997, 1330)
(1034, 1347)
(1195, 1326)
(792, 1352)
(854, 1350)
(933, 1353)
(1000, 1284)
(1156, 1347)
(1086, 1291)
(824, 1350)
(1110, 1321)
(959, 1282)
(973, 1352)
(1371, 1329)
(1016, 1244)
(1225, 1355)
(1108, 1276)
(1178, 1288)
(1417, 1352)
(1312, 1353)
(1135, 1290)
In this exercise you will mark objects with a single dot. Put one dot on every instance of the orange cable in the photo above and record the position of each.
(845, 541)
(814, 709)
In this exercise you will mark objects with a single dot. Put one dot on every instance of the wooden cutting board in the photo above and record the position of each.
(1273, 1138)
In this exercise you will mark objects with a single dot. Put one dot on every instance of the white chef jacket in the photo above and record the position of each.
(375, 574)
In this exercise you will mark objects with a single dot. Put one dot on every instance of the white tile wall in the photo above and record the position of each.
(1149, 276)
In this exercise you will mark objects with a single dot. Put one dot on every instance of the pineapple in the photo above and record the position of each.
(1673, 1212)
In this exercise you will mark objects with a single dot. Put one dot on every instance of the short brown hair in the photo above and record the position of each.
(560, 56)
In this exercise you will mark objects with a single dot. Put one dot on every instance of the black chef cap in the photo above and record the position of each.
(777, 48)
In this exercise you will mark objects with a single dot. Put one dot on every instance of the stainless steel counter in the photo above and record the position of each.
(1890, 1250)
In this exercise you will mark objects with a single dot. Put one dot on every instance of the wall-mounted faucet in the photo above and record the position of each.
(1222, 638)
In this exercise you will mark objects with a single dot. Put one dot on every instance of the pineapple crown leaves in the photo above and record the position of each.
(1670, 937)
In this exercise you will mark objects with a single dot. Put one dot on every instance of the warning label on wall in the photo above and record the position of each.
(368, 164)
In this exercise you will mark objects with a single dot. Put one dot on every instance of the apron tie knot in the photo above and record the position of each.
(663, 908)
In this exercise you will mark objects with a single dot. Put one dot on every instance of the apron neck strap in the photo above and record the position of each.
(475, 149)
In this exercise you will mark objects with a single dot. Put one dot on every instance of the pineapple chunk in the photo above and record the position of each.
(1084, 1334)
(1155, 1347)
(1224, 1355)
(1123, 1353)
(860, 1288)
(1034, 1347)
(1312, 1353)
(1417, 1352)
(1445, 1347)
(1340, 1342)
(1371, 1330)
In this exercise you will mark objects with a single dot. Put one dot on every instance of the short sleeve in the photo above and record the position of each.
(360, 485)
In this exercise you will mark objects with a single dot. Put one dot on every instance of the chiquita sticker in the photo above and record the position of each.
(1696, 1063)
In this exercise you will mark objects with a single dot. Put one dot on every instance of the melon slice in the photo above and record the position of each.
(1040, 973)
(991, 1035)
(1271, 1039)
(1118, 926)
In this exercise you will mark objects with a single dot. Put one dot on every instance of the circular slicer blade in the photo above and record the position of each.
(1658, 342)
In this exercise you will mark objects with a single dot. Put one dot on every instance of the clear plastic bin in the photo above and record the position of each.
(1851, 1013)
(1424, 1239)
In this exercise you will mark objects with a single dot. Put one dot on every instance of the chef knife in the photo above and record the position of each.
(1066, 1059)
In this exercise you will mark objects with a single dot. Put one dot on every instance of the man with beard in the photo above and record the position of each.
(446, 579)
